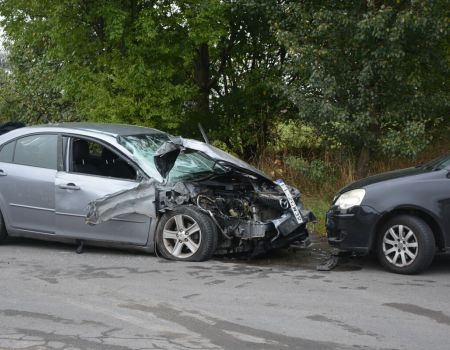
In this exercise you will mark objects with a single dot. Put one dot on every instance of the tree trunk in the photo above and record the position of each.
(249, 152)
(362, 167)
(202, 78)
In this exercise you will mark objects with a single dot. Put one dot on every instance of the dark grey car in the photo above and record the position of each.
(139, 187)
(403, 216)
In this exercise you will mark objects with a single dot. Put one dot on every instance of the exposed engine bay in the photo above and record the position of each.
(246, 211)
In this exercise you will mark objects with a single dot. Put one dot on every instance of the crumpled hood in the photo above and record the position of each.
(167, 154)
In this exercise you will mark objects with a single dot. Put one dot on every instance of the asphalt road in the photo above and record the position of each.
(52, 298)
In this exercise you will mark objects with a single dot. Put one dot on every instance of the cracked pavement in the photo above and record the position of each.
(52, 298)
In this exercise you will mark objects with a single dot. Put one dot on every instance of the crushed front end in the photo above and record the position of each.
(251, 214)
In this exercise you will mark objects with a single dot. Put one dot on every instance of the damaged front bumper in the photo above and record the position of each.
(290, 231)
(277, 233)
(280, 233)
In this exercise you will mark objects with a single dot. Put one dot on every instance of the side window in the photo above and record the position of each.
(37, 150)
(90, 157)
(7, 152)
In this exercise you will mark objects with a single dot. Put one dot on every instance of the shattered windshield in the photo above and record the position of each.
(188, 164)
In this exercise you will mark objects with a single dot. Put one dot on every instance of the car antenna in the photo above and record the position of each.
(202, 131)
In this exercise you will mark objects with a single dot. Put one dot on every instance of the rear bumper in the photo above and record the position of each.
(352, 229)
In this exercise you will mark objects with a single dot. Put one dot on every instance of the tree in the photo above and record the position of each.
(30, 92)
(167, 64)
(246, 100)
(371, 76)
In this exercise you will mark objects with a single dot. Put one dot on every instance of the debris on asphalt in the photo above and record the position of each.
(328, 264)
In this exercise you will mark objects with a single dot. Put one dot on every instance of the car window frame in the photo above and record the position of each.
(13, 151)
(67, 157)
(47, 133)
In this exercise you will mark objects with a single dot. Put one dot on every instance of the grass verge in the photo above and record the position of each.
(319, 205)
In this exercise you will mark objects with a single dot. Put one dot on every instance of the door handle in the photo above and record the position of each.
(69, 186)
(2, 173)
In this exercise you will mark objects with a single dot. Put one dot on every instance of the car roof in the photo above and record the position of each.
(103, 128)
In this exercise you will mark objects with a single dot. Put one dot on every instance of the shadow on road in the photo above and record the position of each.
(304, 259)
(309, 258)
(68, 246)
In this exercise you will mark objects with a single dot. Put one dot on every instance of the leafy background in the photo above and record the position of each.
(318, 92)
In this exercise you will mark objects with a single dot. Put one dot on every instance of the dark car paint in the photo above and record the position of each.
(391, 175)
(352, 229)
(422, 191)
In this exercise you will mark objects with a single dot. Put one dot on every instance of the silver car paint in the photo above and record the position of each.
(39, 189)
(72, 207)
(28, 198)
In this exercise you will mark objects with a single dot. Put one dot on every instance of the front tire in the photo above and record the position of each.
(3, 232)
(187, 234)
(406, 245)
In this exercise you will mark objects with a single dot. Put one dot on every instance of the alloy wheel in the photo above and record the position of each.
(182, 236)
(400, 245)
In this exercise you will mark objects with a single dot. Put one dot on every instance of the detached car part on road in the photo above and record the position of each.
(403, 216)
(140, 187)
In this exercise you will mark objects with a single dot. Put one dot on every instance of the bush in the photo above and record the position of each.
(315, 170)
(294, 135)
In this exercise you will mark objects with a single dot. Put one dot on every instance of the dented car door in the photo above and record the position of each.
(75, 189)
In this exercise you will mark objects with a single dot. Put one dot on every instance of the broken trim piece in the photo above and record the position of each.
(291, 201)
(138, 200)
(165, 157)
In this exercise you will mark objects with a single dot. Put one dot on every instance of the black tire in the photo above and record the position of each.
(416, 243)
(3, 232)
(204, 239)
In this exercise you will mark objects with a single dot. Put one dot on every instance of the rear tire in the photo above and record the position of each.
(406, 245)
(186, 234)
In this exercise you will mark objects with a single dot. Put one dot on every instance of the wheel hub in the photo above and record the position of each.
(400, 245)
(181, 235)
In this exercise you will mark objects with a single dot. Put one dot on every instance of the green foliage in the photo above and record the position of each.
(319, 205)
(413, 138)
(370, 75)
(246, 102)
(320, 75)
(167, 64)
(122, 61)
(315, 170)
(291, 135)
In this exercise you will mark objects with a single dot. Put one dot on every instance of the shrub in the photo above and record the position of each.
(315, 170)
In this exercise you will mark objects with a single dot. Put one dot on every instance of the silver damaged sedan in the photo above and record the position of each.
(128, 186)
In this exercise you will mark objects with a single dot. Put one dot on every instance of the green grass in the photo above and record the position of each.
(319, 205)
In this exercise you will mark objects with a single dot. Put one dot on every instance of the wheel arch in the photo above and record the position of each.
(421, 213)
